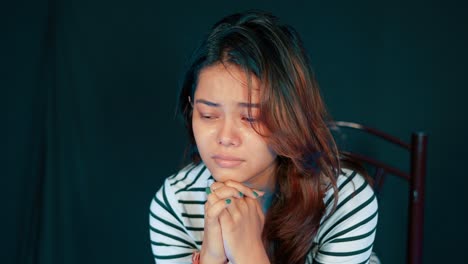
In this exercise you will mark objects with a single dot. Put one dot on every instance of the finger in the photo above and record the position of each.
(216, 185)
(238, 209)
(255, 207)
(249, 192)
(225, 192)
(225, 219)
(211, 197)
(212, 213)
(259, 209)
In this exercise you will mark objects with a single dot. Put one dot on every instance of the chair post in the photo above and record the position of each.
(416, 199)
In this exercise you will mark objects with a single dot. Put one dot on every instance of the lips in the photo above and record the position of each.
(225, 161)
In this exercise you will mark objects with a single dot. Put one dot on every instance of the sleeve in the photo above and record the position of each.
(170, 241)
(347, 235)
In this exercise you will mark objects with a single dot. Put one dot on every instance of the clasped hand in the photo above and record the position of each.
(233, 225)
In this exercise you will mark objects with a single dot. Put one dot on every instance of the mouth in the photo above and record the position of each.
(224, 161)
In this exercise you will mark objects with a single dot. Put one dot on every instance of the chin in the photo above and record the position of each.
(221, 175)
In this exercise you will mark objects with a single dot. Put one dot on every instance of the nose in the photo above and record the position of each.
(229, 134)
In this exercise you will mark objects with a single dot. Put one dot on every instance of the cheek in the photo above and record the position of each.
(258, 146)
(202, 134)
(197, 132)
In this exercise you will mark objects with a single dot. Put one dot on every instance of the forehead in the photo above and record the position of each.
(226, 78)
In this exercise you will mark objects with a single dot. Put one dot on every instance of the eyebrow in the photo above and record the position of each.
(213, 104)
(206, 102)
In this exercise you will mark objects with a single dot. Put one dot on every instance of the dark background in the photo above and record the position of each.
(90, 91)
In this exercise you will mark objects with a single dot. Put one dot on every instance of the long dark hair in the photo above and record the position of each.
(291, 108)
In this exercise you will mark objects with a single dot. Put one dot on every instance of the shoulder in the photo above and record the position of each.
(186, 187)
(352, 188)
(190, 177)
(356, 204)
(175, 226)
(347, 231)
(191, 180)
(177, 208)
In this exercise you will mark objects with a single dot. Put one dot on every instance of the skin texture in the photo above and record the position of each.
(226, 141)
(240, 161)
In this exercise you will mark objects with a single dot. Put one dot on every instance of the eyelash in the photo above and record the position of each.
(208, 117)
(244, 118)
(249, 119)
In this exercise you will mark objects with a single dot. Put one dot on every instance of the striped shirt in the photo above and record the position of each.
(177, 217)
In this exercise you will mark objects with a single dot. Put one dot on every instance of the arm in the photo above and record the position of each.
(170, 241)
(242, 226)
(347, 236)
(241, 223)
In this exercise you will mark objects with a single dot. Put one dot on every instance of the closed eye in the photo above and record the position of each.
(208, 117)
(249, 119)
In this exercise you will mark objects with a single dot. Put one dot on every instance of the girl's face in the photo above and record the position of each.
(226, 141)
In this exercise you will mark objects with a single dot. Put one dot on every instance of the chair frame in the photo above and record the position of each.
(416, 178)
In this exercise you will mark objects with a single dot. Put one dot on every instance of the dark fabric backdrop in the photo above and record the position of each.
(90, 90)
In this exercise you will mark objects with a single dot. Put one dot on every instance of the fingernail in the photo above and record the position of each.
(228, 201)
(255, 193)
(241, 194)
(208, 190)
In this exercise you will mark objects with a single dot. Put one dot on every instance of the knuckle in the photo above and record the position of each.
(209, 214)
(242, 206)
(229, 182)
(209, 200)
(216, 185)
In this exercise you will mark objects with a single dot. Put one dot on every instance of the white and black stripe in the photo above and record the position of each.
(177, 218)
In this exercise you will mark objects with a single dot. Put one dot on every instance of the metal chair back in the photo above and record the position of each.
(415, 177)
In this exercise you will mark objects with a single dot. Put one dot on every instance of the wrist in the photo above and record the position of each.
(257, 256)
(206, 258)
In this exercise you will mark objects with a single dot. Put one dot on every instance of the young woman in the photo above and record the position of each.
(266, 183)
